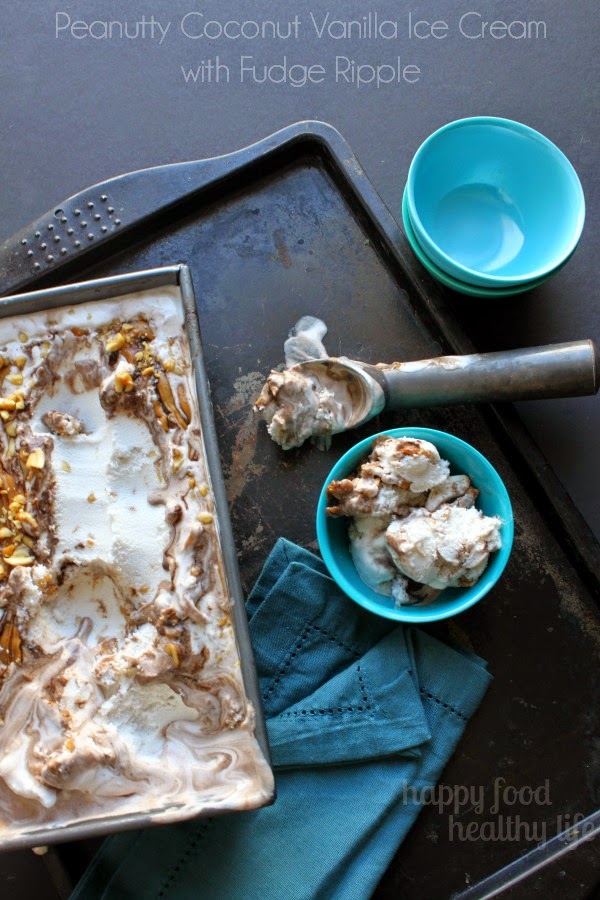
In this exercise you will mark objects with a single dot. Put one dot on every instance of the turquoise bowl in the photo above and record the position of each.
(493, 500)
(494, 203)
(462, 287)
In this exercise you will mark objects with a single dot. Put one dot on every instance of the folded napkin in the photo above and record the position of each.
(362, 716)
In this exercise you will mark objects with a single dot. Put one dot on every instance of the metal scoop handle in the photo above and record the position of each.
(557, 370)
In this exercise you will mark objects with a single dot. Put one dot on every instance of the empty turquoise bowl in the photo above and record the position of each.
(462, 287)
(493, 500)
(493, 202)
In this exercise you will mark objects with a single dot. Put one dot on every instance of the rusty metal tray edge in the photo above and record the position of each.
(118, 285)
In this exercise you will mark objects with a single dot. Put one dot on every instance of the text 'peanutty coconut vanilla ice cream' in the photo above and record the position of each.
(120, 682)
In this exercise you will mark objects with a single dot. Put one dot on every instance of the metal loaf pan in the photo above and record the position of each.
(112, 287)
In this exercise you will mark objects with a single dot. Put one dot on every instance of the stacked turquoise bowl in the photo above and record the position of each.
(491, 207)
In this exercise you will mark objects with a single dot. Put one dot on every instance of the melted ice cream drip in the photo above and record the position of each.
(305, 341)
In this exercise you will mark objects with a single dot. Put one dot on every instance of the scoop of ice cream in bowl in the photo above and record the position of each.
(414, 524)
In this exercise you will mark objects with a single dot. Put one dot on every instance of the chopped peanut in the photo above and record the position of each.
(115, 343)
(36, 459)
(172, 651)
(123, 382)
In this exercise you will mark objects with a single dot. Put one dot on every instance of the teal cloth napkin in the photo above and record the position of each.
(362, 714)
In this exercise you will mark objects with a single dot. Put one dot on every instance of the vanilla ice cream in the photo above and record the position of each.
(412, 464)
(120, 684)
(297, 406)
(414, 529)
(370, 553)
(446, 548)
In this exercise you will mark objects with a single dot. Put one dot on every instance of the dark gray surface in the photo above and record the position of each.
(77, 111)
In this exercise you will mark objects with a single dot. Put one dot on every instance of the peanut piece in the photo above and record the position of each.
(123, 382)
(184, 402)
(116, 342)
(36, 459)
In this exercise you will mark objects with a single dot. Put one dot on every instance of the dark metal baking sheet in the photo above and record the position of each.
(118, 286)
(292, 226)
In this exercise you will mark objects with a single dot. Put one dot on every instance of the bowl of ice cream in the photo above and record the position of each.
(414, 524)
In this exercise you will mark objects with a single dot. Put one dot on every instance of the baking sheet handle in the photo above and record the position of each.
(79, 224)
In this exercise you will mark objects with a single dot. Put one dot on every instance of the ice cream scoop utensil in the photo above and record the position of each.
(556, 370)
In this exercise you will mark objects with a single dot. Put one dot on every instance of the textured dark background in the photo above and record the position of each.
(76, 111)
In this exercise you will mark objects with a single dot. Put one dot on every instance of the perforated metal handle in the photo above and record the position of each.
(83, 221)
(102, 212)
(60, 234)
